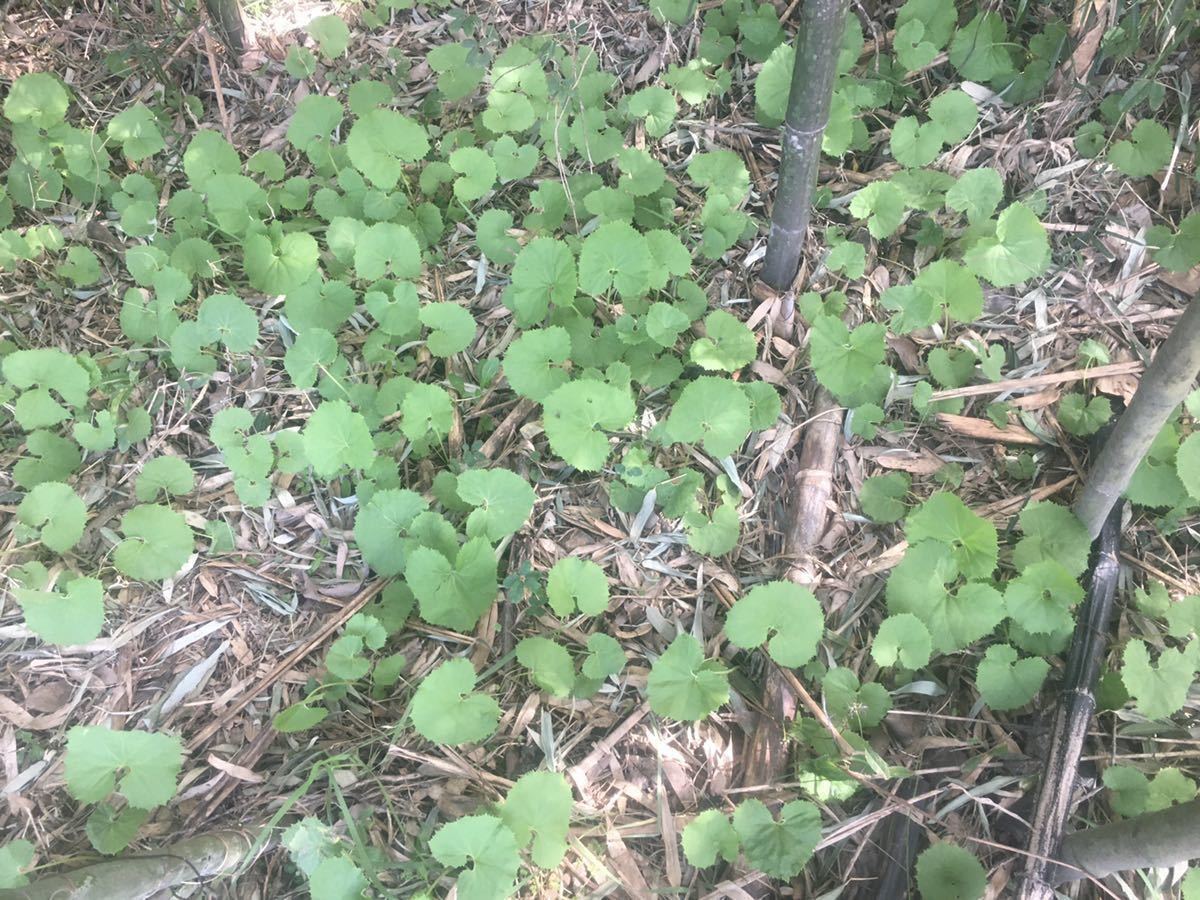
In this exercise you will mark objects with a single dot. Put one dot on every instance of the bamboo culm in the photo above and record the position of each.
(1166, 383)
(818, 43)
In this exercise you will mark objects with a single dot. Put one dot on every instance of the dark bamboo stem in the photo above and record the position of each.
(1164, 386)
(1074, 714)
(817, 45)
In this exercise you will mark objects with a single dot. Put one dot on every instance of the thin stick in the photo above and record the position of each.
(1038, 381)
(212, 68)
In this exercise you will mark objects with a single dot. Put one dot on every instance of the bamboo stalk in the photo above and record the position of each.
(818, 43)
(1166, 383)
(1157, 840)
(1074, 714)
(194, 860)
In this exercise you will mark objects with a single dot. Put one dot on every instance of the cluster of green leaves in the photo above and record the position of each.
(483, 851)
(126, 774)
(313, 260)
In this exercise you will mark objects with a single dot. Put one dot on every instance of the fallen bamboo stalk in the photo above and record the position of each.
(195, 860)
(1157, 840)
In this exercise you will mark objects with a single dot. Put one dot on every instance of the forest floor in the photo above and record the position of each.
(234, 638)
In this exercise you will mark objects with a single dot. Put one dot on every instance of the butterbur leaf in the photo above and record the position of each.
(1005, 682)
(158, 541)
(533, 362)
(142, 766)
(37, 98)
(65, 618)
(55, 513)
(604, 658)
(279, 267)
(313, 121)
(977, 193)
(727, 344)
(912, 49)
(451, 326)
(208, 155)
(657, 107)
(1052, 532)
(684, 685)
(476, 171)
(486, 851)
(426, 413)
(1159, 689)
(456, 76)
(1187, 464)
(549, 665)
(1169, 787)
(772, 85)
(980, 49)
(948, 872)
(882, 496)
(860, 706)
(784, 615)
(336, 438)
(446, 710)
(167, 475)
(918, 585)
(15, 858)
(971, 538)
(491, 231)
(315, 350)
(576, 584)
(543, 273)
(955, 114)
(845, 360)
(226, 319)
(1020, 249)
(1042, 596)
(386, 248)
(574, 414)
(1180, 251)
(513, 161)
(1147, 150)
(615, 255)
(381, 142)
(50, 370)
(337, 878)
(1129, 790)
(779, 848)
(453, 594)
(331, 34)
(765, 405)
(502, 499)
(715, 535)
(713, 412)
(1082, 417)
(539, 807)
(902, 639)
(345, 660)
(137, 132)
(111, 830)
(708, 836)
(298, 717)
(881, 203)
